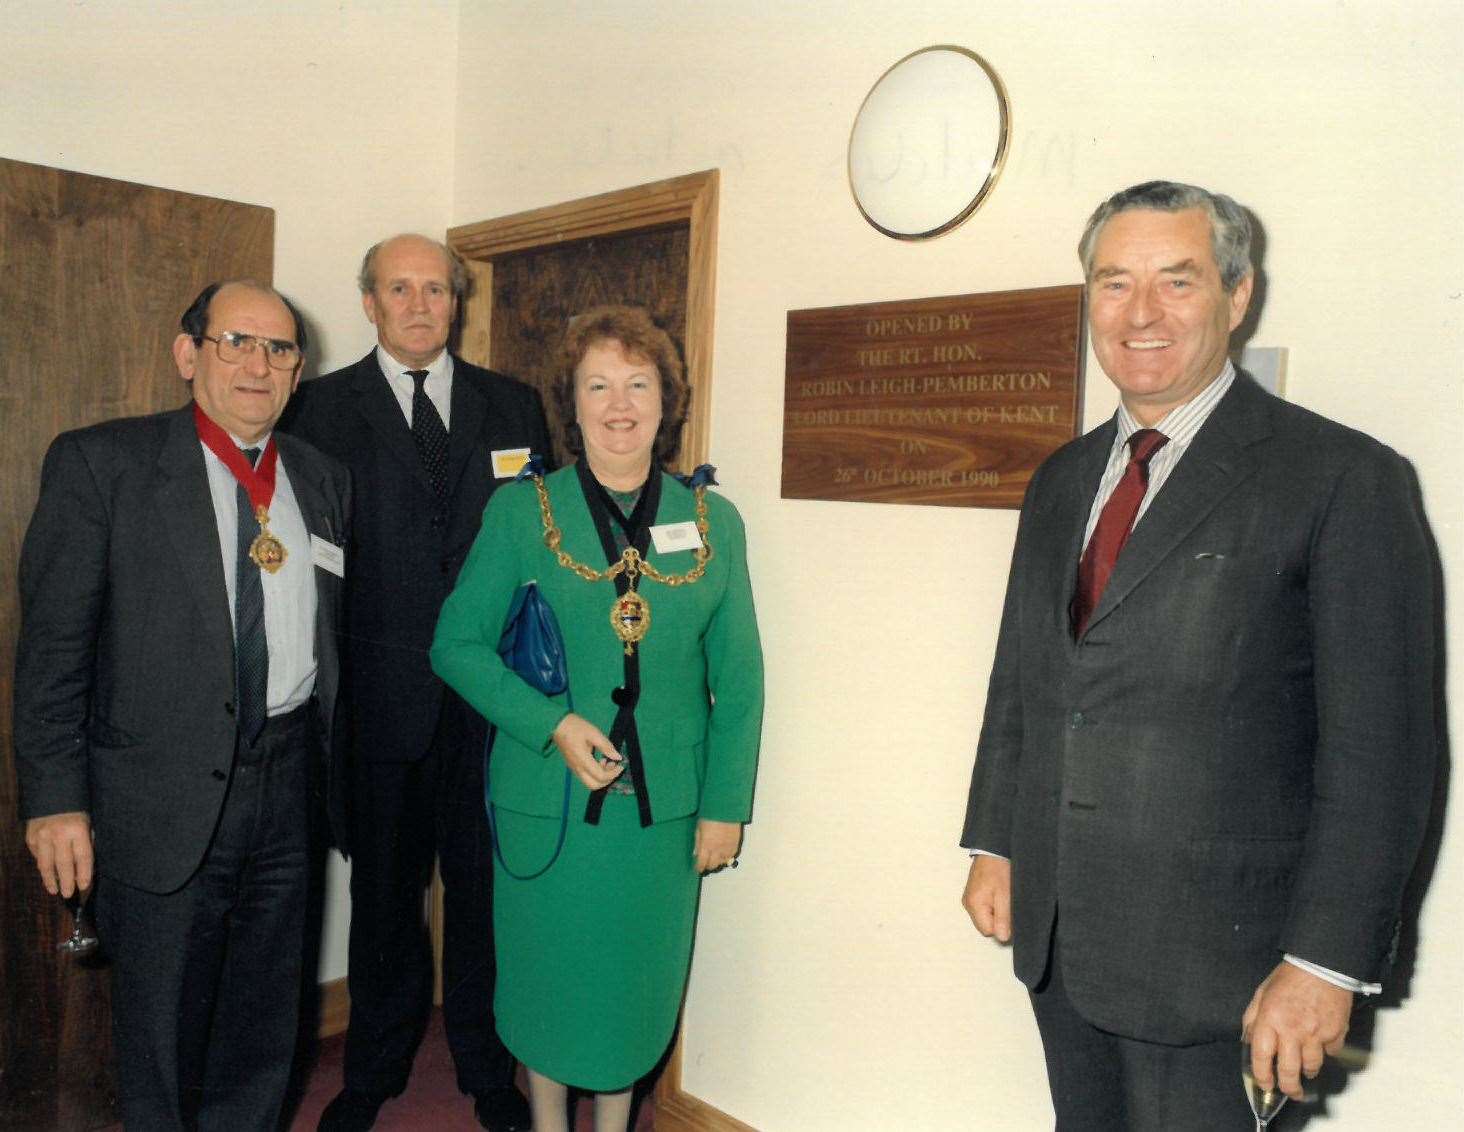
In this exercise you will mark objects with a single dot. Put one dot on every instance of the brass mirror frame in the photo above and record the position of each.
(921, 111)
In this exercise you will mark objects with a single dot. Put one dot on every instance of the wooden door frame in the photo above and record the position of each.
(691, 199)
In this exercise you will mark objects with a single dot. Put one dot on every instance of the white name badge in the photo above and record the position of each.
(671, 537)
(328, 556)
(507, 462)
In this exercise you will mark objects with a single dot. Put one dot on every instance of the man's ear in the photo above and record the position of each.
(1240, 298)
(185, 355)
(368, 304)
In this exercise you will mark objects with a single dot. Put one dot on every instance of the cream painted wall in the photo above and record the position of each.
(285, 104)
(837, 983)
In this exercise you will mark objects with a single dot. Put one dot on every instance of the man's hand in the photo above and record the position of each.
(1295, 1018)
(988, 896)
(62, 847)
(578, 739)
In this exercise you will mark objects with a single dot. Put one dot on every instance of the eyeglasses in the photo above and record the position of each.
(235, 346)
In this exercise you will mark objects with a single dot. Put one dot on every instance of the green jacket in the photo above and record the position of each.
(700, 710)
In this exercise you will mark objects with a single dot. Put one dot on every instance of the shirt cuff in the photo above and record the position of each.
(1336, 978)
(986, 853)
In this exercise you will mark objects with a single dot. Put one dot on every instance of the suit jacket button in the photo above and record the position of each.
(229, 707)
(220, 775)
(1077, 720)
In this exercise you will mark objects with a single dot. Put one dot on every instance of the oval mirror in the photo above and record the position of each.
(928, 142)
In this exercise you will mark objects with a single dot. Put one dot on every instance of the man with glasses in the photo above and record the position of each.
(180, 589)
(428, 437)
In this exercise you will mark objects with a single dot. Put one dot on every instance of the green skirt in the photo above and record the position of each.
(593, 955)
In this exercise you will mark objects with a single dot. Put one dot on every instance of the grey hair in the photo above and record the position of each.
(1230, 227)
(457, 270)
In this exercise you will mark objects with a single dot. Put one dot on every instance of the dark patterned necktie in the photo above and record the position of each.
(251, 647)
(1114, 525)
(430, 434)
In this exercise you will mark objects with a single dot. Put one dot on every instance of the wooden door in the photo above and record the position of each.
(94, 275)
(538, 290)
(652, 245)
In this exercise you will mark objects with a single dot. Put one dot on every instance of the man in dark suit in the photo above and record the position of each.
(428, 438)
(176, 677)
(1206, 760)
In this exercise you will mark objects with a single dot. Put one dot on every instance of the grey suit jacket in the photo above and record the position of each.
(1234, 761)
(124, 684)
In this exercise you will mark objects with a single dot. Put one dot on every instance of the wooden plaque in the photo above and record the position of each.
(951, 401)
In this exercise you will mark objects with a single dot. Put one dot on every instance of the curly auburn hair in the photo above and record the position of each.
(639, 337)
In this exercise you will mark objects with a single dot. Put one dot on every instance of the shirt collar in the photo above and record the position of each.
(439, 367)
(1183, 421)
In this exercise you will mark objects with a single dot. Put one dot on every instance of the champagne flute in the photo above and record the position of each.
(1264, 1103)
(83, 939)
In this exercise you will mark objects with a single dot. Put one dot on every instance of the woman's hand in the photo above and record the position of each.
(717, 843)
(578, 739)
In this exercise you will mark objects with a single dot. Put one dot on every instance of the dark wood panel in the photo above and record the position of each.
(94, 274)
(536, 292)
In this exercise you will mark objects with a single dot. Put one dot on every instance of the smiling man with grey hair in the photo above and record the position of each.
(1206, 760)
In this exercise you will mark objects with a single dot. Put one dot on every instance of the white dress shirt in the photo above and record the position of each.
(289, 593)
(438, 384)
(1180, 424)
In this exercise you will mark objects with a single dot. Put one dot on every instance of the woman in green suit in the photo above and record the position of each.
(655, 747)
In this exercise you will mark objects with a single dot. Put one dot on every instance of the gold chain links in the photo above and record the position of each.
(631, 563)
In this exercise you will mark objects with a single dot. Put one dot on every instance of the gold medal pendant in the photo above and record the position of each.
(267, 551)
(630, 617)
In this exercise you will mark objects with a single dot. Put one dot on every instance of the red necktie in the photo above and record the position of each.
(1113, 527)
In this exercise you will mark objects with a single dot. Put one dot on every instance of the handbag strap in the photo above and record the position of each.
(488, 806)
(493, 824)
(522, 597)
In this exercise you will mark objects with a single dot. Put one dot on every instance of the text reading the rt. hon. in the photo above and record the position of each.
(949, 401)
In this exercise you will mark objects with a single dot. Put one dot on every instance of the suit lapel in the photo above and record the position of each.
(1096, 448)
(1065, 502)
(469, 410)
(306, 483)
(1216, 463)
(378, 405)
(185, 509)
(321, 518)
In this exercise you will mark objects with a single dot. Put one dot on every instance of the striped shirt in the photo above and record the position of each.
(1179, 424)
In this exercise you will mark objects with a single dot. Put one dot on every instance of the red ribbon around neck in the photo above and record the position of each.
(258, 481)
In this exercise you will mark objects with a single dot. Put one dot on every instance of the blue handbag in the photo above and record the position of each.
(532, 646)
(530, 643)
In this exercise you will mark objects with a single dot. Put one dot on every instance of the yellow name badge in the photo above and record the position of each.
(508, 461)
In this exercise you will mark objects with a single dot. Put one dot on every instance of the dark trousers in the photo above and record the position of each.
(1102, 1082)
(403, 815)
(206, 980)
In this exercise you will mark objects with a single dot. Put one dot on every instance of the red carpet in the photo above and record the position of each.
(431, 1102)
